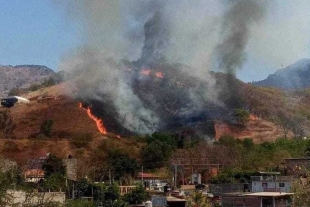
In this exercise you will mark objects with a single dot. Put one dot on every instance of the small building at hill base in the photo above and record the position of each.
(259, 199)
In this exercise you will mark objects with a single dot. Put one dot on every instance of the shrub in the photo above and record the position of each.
(10, 146)
(46, 127)
(81, 140)
(136, 196)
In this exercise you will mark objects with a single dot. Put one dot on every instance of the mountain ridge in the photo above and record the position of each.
(22, 76)
(295, 76)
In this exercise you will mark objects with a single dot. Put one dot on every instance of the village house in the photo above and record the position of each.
(271, 182)
(151, 181)
(269, 189)
(33, 171)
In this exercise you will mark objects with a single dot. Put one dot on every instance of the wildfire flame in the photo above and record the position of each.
(145, 72)
(98, 121)
(148, 72)
(159, 74)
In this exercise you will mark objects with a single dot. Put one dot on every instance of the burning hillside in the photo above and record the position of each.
(99, 122)
(139, 75)
(167, 102)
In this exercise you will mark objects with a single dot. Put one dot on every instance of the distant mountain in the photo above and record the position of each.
(295, 76)
(22, 76)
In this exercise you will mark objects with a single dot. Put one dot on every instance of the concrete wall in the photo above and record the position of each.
(230, 201)
(261, 186)
(18, 198)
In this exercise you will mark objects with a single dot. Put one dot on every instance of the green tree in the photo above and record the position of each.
(84, 187)
(9, 180)
(55, 182)
(121, 164)
(156, 154)
(112, 193)
(241, 115)
(46, 127)
(198, 199)
(248, 144)
(53, 165)
(136, 196)
(164, 138)
(7, 124)
(112, 197)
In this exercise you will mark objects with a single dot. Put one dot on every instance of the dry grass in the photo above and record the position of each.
(258, 130)
(69, 120)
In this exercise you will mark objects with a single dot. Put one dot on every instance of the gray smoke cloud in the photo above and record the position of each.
(156, 39)
(98, 78)
(241, 15)
(151, 32)
(178, 31)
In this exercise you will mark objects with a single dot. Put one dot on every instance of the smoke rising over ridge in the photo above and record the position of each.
(152, 36)
(230, 53)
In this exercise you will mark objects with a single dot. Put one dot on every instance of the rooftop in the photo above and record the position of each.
(269, 194)
(269, 173)
(262, 194)
(147, 175)
(174, 199)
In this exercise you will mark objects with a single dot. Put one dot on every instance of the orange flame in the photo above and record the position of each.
(98, 121)
(145, 71)
(159, 74)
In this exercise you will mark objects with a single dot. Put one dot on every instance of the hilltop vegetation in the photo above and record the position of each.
(288, 109)
(295, 76)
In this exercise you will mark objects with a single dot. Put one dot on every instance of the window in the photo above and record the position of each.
(264, 185)
(281, 185)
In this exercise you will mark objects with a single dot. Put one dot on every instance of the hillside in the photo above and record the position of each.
(70, 124)
(257, 129)
(22, 76)
(295, 76)
(274, 113)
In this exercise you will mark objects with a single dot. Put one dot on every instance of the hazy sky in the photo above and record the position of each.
(39, 32)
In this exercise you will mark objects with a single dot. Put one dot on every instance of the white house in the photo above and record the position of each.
(271, 182)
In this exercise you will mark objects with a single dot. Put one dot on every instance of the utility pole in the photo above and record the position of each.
(73, 190)
(110, 176)
(142, 176)
(175, 175)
